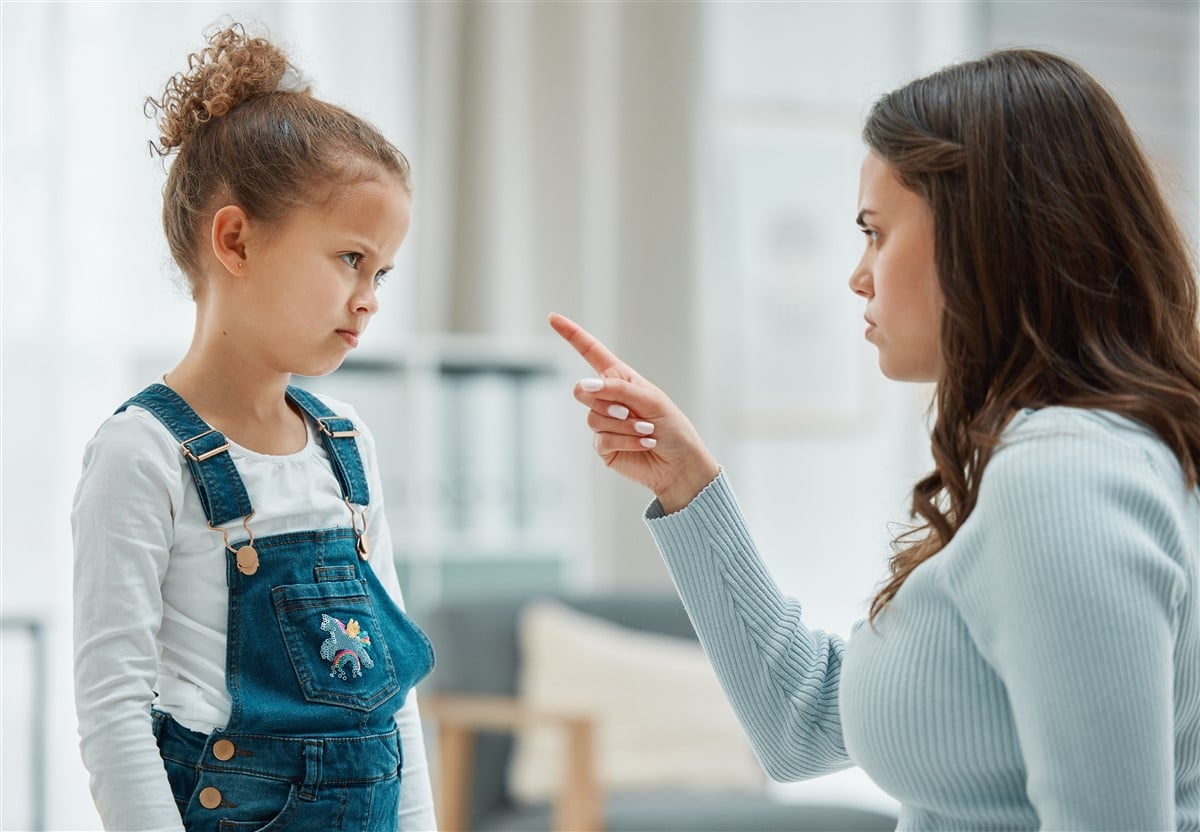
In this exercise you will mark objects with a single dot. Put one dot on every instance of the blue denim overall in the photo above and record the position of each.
(318, 659)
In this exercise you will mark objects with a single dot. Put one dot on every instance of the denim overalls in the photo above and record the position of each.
(318, 658)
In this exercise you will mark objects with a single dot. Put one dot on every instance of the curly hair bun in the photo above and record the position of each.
(232, 68)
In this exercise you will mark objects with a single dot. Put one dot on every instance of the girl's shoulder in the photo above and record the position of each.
(135, 434)
(131, 461)
(347, 411)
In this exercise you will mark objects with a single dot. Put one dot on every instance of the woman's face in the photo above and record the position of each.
(897, 275)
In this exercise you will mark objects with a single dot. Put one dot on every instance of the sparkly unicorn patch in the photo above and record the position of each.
(346, 647)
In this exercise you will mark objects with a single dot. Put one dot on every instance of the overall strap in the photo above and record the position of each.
(222, 493)
(338, 434)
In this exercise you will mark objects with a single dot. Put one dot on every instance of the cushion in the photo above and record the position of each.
(662, 720)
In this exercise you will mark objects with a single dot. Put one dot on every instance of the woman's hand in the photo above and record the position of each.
(640, 433)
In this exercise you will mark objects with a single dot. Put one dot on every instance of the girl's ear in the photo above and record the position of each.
(230, 227)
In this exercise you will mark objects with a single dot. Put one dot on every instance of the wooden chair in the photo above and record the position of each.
(459, 719)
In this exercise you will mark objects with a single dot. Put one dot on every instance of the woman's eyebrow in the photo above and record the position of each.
(859, 219)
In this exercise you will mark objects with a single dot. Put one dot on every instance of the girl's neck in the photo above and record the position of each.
(250, 407)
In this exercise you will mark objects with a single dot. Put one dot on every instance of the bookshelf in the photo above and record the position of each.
(480, 449)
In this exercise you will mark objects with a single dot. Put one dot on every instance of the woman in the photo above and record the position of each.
(1033, 658)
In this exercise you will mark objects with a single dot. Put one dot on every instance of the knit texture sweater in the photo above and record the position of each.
(1041, 672)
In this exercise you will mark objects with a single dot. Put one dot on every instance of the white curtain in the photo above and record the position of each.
(558, 173)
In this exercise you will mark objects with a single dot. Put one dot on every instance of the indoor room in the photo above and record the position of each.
(682, 180)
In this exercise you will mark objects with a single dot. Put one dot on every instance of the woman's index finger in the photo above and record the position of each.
(587, 345)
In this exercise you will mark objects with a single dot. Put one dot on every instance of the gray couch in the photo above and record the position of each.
(476, 644)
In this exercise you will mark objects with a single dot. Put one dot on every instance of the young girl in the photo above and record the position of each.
(242, 660)
(1033, 660)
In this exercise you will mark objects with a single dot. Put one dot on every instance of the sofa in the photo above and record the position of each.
(471, 701)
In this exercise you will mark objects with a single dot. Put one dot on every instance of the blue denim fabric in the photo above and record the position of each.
(329, 784)
(318, 660)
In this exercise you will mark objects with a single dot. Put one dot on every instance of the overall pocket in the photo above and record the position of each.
(335, 643)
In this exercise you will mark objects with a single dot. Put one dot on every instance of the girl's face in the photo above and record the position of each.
(310, 283)
(897, 275)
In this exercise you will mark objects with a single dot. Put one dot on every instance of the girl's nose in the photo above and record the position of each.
(366, 301)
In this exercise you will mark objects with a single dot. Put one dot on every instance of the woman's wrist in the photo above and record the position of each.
(683, 489)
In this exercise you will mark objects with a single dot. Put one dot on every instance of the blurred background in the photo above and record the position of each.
(679, 177)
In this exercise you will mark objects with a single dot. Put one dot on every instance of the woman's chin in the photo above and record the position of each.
(906, 371)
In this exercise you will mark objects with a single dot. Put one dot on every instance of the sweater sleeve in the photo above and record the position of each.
(122, 527)
(781, 677)
(1073, 601)
(416, 790)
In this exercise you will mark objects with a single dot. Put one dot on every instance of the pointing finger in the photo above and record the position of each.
(587, 345)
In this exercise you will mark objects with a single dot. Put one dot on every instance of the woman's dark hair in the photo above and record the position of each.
(243, 136)
(1065, 277)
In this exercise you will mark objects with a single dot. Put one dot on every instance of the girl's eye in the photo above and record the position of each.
(872, 234)
(351, 259)
(380, 277)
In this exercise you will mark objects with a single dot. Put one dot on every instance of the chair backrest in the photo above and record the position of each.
(476, 644)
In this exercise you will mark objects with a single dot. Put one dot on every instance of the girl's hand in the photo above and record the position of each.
(640, 433)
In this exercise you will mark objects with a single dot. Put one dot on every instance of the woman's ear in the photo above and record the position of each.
(230, 227)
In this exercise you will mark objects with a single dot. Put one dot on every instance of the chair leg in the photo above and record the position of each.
(578, 809)
(456, 750)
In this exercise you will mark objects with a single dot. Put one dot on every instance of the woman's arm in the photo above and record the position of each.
(122, 527)
(781, 678)
(1073, 601)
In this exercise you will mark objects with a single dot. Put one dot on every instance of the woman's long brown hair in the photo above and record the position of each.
(1065, 276)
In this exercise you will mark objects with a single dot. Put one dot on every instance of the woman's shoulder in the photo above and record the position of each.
(1070, 474)
(1070, 491)
(1074, 443)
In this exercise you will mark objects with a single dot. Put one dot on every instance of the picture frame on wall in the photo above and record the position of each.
(803, 365)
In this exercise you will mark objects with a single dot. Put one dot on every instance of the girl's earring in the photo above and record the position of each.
(240, 264)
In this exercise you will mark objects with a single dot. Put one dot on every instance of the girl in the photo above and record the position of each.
(1033, 660)
(242, 660)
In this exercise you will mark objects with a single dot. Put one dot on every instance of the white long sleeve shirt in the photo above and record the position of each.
(151, 602)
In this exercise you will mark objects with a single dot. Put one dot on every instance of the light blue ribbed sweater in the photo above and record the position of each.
(1042, 671)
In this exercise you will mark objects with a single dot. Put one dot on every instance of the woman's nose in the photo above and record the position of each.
(860, 281)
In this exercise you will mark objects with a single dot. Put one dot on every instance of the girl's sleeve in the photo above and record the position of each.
(1074, 601)
(416, 792)
(122, 527)
(781, 677)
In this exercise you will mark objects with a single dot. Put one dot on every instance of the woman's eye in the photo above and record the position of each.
(872, 234)
(380, 277)
(351, 259)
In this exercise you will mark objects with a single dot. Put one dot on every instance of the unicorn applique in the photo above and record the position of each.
(345, 647)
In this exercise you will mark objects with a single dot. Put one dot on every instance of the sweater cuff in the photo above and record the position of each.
(713, 513)
(655, 510)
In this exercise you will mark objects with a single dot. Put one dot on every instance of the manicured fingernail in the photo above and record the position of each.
(643, 427)
(618, 411)
(591, 385)
(648, 442)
